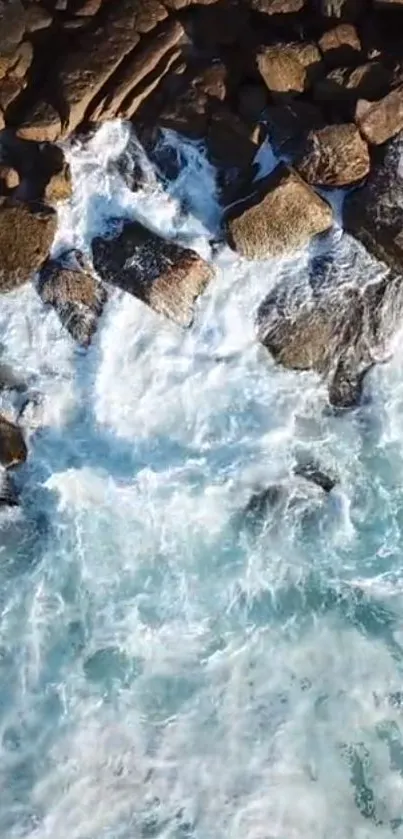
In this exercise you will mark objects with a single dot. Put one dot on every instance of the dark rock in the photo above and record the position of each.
(8, 490)
(336, 323)
(311, 471)
(166, 276)
(374, 213)
(26, 235)
(345, 86)
(289, 124)
(229, 141)
(382, 120)
(13, 449)
(282, 215)
(262, 503)
(252, 101)
(277, 7)
(289, 69)
(335, 156)
(9, 177)
(74, 293)
(341, 45)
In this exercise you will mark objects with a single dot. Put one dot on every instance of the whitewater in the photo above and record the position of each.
(167, 671)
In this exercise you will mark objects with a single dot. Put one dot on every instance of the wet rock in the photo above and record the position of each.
(9, 380)
(9, 177)
(282, 215)
(382, 120)
(277, 7)
(252, 101)
(74, 293)
(335, 156)
(341, 45)
(349, 10)
(13, 449)
(288, 69)
(374, 213)
(335, 323)
(8, 490)
(26, 235)
(311, 471)
(166, 276)
(40, 123)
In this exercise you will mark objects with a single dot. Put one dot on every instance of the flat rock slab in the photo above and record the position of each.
(335, 156)
(374, 213)
(74, 293)
(338, 319)
(166, 276)
(26, 235)
(281, 216)
(13, 448)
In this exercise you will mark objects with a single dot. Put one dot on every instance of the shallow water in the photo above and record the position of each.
(166, 670)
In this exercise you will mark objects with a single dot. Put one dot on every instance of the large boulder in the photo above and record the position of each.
(340, 45)
(13, 449)
(281, 215)
(26, 235)
(289, 69)
(75, 294)
(338, 319)
(374, 213)
(335, 156)
(166, 276)
(382, 120)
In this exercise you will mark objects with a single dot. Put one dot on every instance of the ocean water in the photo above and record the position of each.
(168, 671)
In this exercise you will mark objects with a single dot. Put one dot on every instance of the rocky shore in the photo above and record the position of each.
(320, 80)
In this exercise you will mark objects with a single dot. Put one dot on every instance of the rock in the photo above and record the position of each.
(8, 491)
(311, 471)
(379, 121)
(288, 69)
(26, 235)
(346, 85)
(341, 45)
(59, 187)
(74, 293)
(289, 124)
(13, 449)
(338, 321)
(349, 10)
(374, 213)
(252, 101)
(282, 215)
(40, 123)
(277, 7)
(335, 156)
(12, 26)
(9, 177)
(166, 276)
(10, 89)
(229, 141)
(36, 18)
(89, 8)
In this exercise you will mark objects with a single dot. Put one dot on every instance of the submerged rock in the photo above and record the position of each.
(76, 295)
(166, 276)
(312, 472)
(281, 215)
(8, 490)
(26, 235)
(334, 324)
(13, 450)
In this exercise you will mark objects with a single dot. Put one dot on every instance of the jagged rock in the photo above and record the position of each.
(379, 121)
(13, 449)
(335, 156)
(166, 276)
(374, 213)
(340, 45)
(340, 322)
(22, 60)
(74, 293)
(277, 7)
(143, 66)
(289, 124)
(288, 69)
(26, 235)
(12, 26)
(10, 89)
(346, 85)
(282, 215)
(40, 123)
(89, 8)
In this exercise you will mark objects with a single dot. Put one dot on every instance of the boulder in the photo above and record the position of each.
(349, 10)
(374, 213)
(382, 120)
(288, 69)
(282, 215)
(289, 124)
(40, 123)
(277, 7)
(345, 86)
(252, 101)
(26, 235)
(74, 293)
(13, 449)
(339, 320)
(8, 490)
(335, 156)
(340, 45)
(166, 276)
(9, 177)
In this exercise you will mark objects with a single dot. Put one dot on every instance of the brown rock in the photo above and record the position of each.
(379, 121)
(74, 293)
(282, 215)
(26, 235)
(10, 89)
(59, 187)
(13, 448)
(167, 277)
(288, 68)
(341, 45)
(229, 141)
(22, 60)
(335, 156)
(40, 123)
(36, 17)
(9, 176)
(89, 7)
(345, 85)
(277, 7)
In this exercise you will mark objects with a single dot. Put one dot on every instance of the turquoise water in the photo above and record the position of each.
(166, 670)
